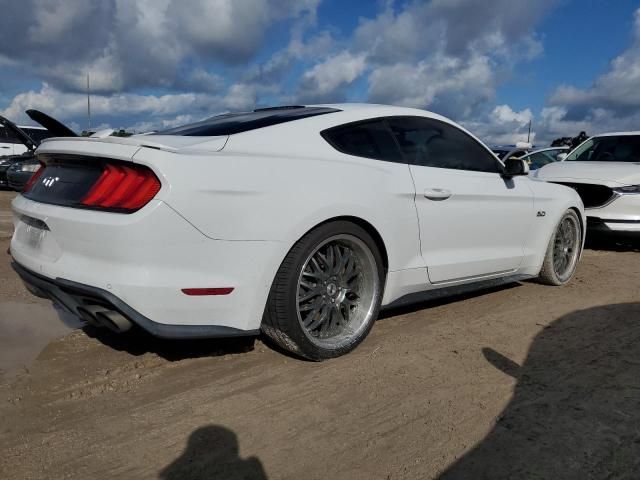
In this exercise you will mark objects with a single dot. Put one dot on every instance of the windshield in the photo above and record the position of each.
(623, 148)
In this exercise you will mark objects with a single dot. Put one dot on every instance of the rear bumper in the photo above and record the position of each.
(72, 295)
(143, 261)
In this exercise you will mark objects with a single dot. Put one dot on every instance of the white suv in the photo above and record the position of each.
(605, 171)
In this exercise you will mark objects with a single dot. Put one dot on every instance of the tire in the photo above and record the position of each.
(563, 251)
(326, 295)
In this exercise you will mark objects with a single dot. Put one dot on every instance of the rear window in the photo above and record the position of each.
(231, 123)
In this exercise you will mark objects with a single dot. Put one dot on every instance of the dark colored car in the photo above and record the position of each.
(15, 170)
(19, 173)
(18, 135)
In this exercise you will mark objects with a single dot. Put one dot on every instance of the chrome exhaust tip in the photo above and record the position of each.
(88, 313)
(113, 321)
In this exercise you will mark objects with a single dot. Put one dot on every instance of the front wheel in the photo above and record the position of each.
(563, 251)
(327, 292)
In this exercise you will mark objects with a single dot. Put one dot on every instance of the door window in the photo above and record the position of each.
(432, 143)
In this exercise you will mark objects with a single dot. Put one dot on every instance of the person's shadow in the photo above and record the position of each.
(212, 454)
(575, 410)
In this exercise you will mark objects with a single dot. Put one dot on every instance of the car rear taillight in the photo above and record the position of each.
(121, 187)
(33, 179)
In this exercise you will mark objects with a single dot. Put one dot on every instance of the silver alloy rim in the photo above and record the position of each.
(338, 288)
(566, 247)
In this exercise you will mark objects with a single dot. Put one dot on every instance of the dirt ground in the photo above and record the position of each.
(524, 381)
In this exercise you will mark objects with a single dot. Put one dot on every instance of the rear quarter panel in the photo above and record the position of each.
(268, 185)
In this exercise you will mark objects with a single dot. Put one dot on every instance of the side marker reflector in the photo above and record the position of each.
(207, 291)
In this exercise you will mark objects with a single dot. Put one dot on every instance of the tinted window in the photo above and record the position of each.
(366, 139)
(608, 149)
(432, 143)
(231, 123)
(37, 134)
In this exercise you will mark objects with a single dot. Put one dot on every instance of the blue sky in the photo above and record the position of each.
(566, 65)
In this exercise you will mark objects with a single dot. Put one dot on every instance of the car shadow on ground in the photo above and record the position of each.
(612, 242)
(575, 411)
(138, 342)
(212, 453)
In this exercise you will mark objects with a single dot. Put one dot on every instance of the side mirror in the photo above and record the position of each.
(561, 157)
(514, 167)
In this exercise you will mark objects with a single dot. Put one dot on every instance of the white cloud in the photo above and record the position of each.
(610, 103)
(324, 79)
(503, 126)
(448, 85)
(434, 54)
(162, 110)
(129, 44)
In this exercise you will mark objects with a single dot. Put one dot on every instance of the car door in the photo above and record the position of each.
(473, 222)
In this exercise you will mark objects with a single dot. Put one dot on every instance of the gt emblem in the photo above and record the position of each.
(541, 213)
(49, 181)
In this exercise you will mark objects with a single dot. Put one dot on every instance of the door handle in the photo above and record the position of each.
(437, 193)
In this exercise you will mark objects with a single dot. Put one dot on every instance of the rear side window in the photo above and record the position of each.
(231, 123)
(431, 143)
(370, 139)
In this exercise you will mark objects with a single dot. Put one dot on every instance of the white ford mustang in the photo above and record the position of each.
(299, 222)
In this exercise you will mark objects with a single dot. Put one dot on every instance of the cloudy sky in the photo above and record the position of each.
(493, 65)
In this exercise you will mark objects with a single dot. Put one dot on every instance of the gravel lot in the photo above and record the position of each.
(524, 381)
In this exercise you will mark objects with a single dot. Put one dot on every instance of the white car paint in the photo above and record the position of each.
(622, 212)
(231, 207)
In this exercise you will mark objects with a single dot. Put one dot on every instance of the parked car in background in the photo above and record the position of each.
(19, 173)
(505, 152)
(605, 171)
(21, 166)
(539, 158)
(299, 222)
(14, 143)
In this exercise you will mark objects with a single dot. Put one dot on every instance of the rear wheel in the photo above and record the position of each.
(563, 251)
(327, 292)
